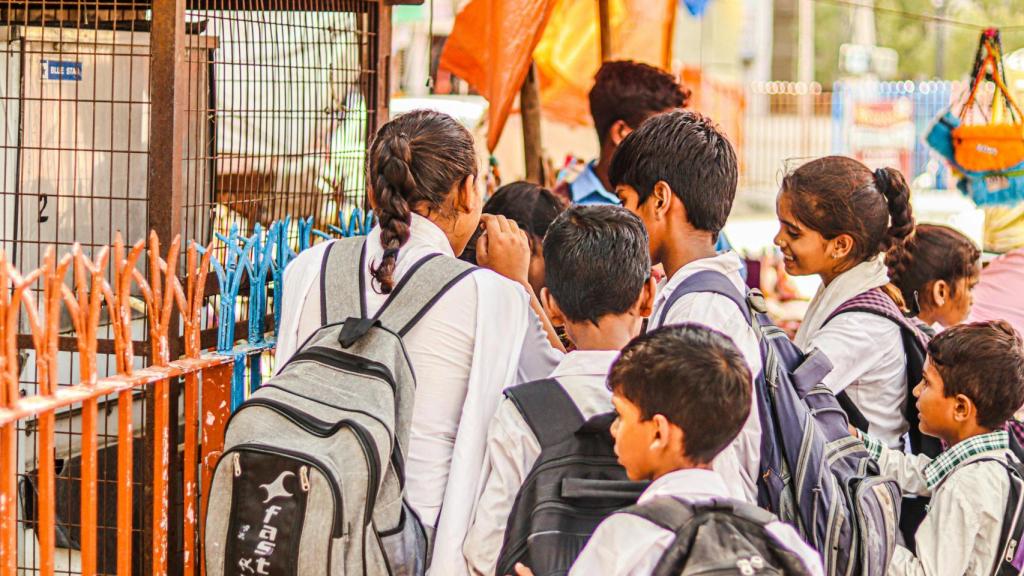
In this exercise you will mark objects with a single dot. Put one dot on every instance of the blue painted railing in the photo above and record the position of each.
(265, 253)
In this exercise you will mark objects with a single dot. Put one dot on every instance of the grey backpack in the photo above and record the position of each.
(312, 474)
(717, 537)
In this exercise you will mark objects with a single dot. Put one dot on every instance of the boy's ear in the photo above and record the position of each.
(940, 293)
(555, 313)
(963, 408)
(618, 132)
(647, 295)
(662, 433)
(661, 199)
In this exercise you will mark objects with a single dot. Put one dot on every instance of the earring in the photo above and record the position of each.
(835, 256)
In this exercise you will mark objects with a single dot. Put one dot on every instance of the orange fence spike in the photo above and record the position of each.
(124, 482)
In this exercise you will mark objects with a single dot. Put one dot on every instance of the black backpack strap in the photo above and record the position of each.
(706, 281)
(1011, 547)
(665, 512)
(548, 410)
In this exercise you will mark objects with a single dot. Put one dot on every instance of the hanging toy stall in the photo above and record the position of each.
(984, 142)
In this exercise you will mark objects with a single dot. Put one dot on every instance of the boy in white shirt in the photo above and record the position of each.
(678, 172)
(682, 393)
(973, 383)
(598, 285)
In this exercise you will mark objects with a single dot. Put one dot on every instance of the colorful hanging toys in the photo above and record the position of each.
(987, 156)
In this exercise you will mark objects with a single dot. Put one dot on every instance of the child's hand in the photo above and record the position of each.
(522, 570)
(504, 248)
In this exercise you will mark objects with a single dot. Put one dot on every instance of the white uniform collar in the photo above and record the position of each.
(690, 484)
(423, 234)
(586, 363)
(727, 263)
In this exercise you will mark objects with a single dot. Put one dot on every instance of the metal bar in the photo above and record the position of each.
(160, 471)
(124, 482)
(191, 462)
(215, 412)
(47, 495)
(69, 343)
(604, 19)
(8, 499)
(88, 491)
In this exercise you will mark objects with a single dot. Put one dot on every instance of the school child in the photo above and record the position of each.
(599, 287)
(479, 338)
(836, 218)
(531, 207)
(973, 382)
(678, 173)
(624, 95)
(935, 271)
(682, 394)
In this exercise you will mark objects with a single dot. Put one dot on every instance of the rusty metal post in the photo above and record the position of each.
(529, 105)
(168, 125)
(381, 60)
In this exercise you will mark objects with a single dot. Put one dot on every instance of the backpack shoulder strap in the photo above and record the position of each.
(548, 410)
(343, 261)
(877, 302)
(435, 275)
(706, 281)
(665, 512)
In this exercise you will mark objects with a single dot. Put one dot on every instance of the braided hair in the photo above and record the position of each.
(416, 160)
(933, 253)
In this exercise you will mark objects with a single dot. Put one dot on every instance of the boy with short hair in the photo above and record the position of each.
(678, 173)
(973, 383)
(598, 284)
(624, 95)
(682, 394)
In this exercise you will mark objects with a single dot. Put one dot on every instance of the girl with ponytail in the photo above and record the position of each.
(836, 220)
(482, 336)
(935, 271)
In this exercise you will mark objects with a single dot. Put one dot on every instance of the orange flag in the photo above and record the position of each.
(491, 46)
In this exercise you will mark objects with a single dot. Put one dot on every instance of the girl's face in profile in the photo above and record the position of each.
(805, 252)
(950, 305)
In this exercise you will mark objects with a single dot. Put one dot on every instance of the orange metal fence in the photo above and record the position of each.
(167, 298)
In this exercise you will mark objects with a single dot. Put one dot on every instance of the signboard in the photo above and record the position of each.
(62, 70)
(882, 133)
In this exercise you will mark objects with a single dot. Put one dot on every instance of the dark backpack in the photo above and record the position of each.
(575, 484)
(717, 537)
(915, 347)
(814, 475)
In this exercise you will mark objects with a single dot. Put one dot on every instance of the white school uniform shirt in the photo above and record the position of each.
(740, 462)
(480, 338)
(960, 535)
(627, 545)
(866, 350)
(869, 363)
(512, 450)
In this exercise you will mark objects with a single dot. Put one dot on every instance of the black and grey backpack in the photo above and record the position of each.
(576, 482)
(717, 537)
(311, 478)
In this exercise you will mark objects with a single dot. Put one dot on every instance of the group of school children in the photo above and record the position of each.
(678, 372)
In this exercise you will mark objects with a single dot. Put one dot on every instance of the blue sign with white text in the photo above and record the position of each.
(62, 70)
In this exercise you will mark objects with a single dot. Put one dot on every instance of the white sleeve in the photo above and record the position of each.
(538, 359)
(511, 452)
(855, 344)
(300, 277)
(501, 323)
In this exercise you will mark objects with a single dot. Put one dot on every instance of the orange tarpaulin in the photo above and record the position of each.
(569, 52)
(493, 40)
(490, 48)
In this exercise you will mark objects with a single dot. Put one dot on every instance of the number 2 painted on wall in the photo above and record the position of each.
(44, 200)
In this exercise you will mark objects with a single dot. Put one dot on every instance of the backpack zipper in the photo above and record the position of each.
(339, 515)
(325, 430)
(396, 450)
(344, 361)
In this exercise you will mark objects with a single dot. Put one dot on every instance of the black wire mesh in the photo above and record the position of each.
(280, 97)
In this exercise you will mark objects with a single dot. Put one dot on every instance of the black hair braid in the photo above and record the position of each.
(900, 262)
(893, 186)
(395, 187)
